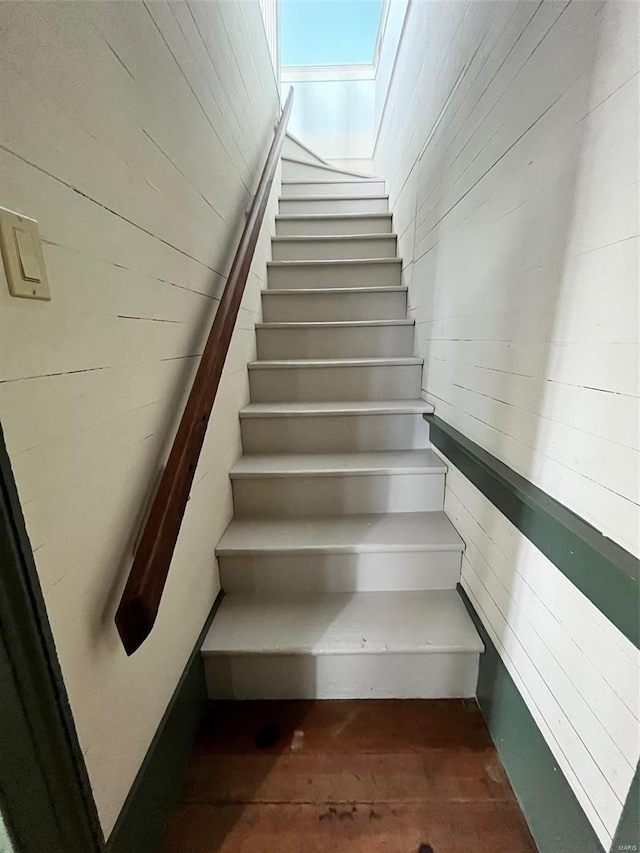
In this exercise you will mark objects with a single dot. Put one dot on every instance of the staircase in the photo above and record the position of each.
(340, 566)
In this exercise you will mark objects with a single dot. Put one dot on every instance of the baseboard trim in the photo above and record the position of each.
(554, 815)
(152, 796)
(601, 569)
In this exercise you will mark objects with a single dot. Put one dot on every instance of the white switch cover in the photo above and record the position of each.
(22, 255)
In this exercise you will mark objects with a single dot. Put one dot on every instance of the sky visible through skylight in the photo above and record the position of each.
(328, 32)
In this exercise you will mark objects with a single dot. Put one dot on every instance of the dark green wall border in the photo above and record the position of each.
(152, 796)
(602, 570)
(555, 817)
(46, 797)
(627, 837)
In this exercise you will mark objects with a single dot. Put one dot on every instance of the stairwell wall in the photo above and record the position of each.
(509, 145)
(135, 133)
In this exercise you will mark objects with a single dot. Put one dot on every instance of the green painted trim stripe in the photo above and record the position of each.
(554, 815)
(627, 837)
(602, 570)
(152, 796)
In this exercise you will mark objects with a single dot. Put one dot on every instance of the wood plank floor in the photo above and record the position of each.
(418, 776)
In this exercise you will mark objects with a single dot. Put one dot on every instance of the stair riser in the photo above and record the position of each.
(349, 494)
(347, 342)
(388, 382)
(334, 275)
(328, 227)
(304, 573)
(332, 188)
(329, 434)
(438, 675)
(292, 171)
(319, 307)
(321, 250)
(335, 205)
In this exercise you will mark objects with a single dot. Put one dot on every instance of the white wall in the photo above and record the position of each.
(5, 842)
(333, 117)
(510, 146)
(271, 17)
(135, 133)
(393, 24)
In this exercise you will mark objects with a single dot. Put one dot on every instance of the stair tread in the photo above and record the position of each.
(331, 324)
(332, 261)
(323, 216)
(284, 363)
(349, 407)
(355, 180)
(395, 288)
(353, 197)
(357, 533)
(320, 238)
(422, 461)
(343, 623)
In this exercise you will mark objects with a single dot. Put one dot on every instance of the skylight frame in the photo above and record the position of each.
(341, 71)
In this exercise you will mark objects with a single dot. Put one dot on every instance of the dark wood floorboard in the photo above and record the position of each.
(397, 776)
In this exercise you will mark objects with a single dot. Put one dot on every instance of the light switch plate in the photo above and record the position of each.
(22, 255)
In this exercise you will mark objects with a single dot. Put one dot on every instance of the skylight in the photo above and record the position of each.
(328, 32)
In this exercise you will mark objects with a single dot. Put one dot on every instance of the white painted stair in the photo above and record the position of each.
(304, 225)
(358, 552)
(374, 645)
(330, 204)
(334, 188)
(340, 566)
(334, 273)
(348, 247)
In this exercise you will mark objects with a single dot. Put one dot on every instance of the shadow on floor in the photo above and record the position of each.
(400, 776)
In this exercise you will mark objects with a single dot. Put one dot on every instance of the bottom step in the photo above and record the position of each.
(343, 646)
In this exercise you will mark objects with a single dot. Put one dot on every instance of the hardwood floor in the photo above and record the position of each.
(396, 776)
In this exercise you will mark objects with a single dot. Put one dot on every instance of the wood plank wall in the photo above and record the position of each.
(135, 133)
(510, 147)
(271, 17)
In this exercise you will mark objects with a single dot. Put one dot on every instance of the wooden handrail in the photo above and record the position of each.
(140, 600)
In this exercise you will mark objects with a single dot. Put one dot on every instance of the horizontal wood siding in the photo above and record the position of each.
(135, 133)
(510, 151)
(509, 146)
(270, 17)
